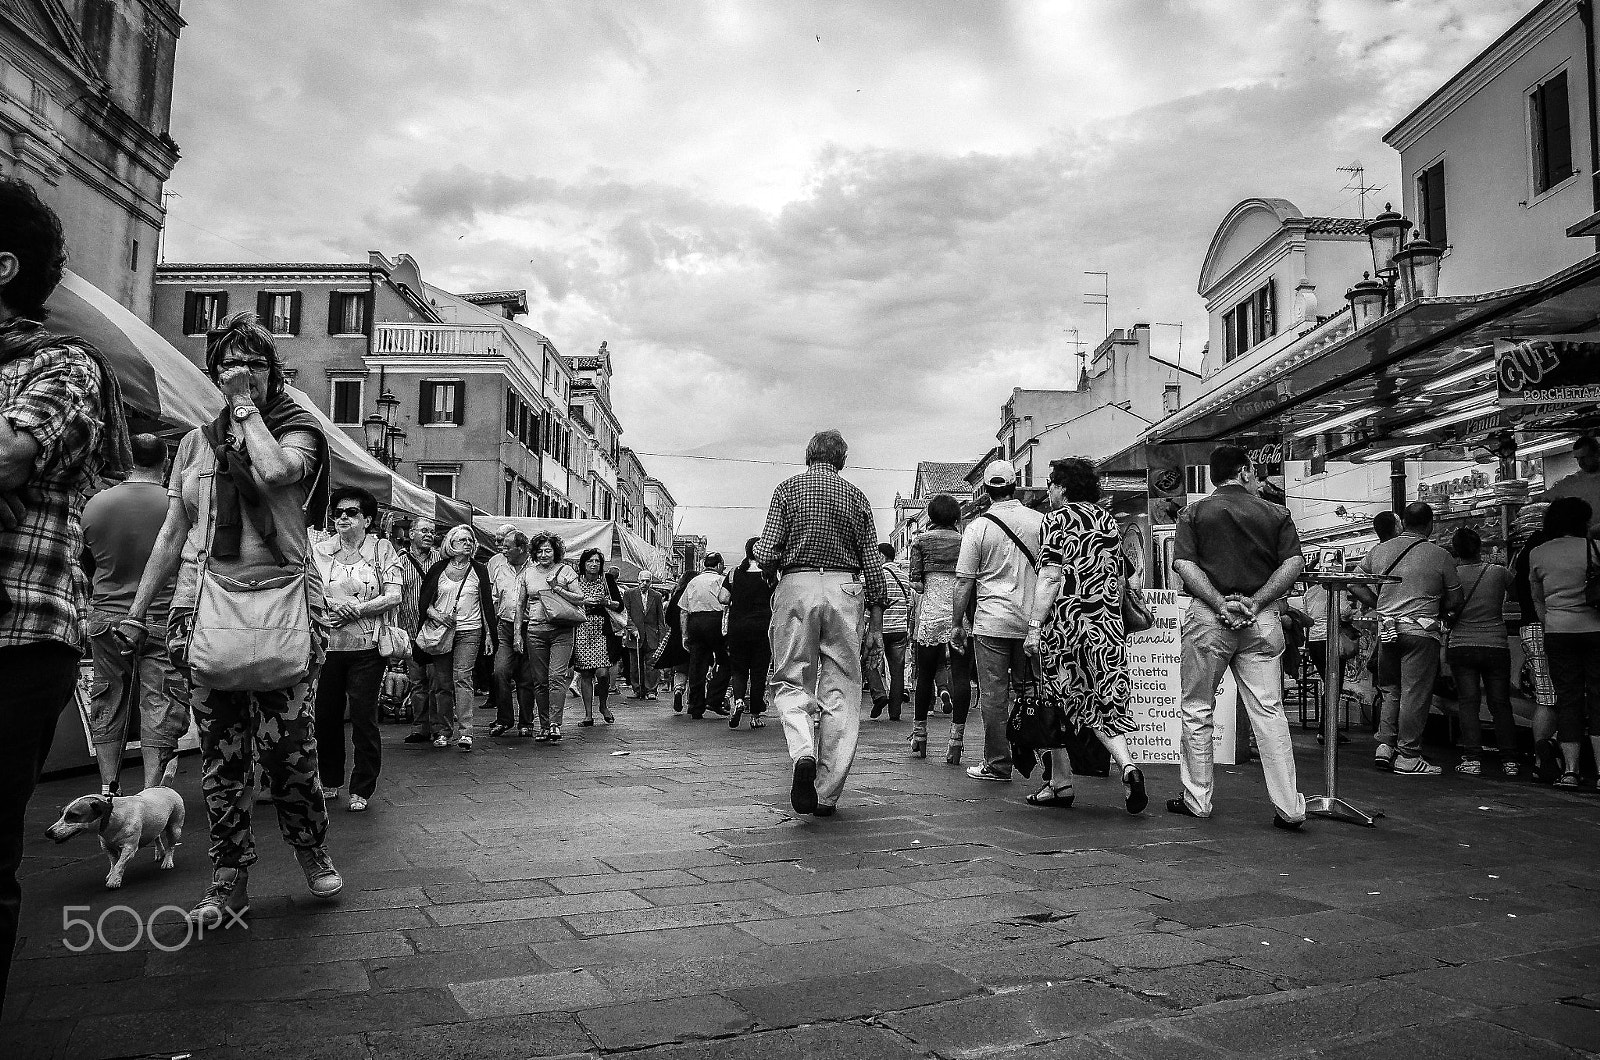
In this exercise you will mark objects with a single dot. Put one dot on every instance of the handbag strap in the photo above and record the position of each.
(1403, 554)
(1012, 534)
(1465, 600)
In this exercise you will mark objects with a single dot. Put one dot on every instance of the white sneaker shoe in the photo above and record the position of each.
(441, 740)
(331, 795)
(465, 743)
(357, 804)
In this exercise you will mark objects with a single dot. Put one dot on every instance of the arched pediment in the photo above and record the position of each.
(1246, 227)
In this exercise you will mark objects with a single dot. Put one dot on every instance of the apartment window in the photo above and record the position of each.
(513, 411)
(1249, 323)
(279, 311)
(510, 492)
(1430, 204)
(442, 482)
(203, 311)
(344, 402)
(133, 256)
(1552, 134)
(347, 313)
(442, 401)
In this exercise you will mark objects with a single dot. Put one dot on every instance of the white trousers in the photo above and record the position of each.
(1255, 653)
(816, 671)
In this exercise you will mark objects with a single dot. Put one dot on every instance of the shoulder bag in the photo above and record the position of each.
(558, 610)
(1136, 613)
(1452, 615)
(393, 642)
(438, 636)
(248, 635)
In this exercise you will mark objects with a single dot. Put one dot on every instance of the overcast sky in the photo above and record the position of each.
(873, 215)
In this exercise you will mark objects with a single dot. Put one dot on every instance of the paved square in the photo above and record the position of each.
(644, 889)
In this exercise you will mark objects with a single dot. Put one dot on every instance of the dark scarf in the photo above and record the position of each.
(21, 337)
(237, 495)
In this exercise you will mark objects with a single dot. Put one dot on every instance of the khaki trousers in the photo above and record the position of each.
(816, 671)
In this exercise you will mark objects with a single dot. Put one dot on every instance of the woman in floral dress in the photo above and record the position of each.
(1077, 630)
(591, 655)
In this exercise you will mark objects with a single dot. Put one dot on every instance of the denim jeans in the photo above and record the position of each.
(1407, 671)
(513, 675)
(1484, 673)
(1255, 655)
(816, 671)
(1575, 669)
(1000, 660)
(549, 651)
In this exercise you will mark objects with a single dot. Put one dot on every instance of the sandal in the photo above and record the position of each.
(1133, 780)
(1060, 798)
(1567, 781)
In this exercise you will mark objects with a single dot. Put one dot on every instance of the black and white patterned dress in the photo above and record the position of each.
(1083, 647)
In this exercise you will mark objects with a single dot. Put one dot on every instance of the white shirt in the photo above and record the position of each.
(1004, 577)
(706, 592)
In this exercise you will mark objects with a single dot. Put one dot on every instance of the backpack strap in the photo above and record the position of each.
(1012, 534)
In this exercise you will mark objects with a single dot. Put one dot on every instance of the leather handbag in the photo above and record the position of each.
(558, 610)
(1032, 718)
(393, 642)
(1136, 614)
(250, 636)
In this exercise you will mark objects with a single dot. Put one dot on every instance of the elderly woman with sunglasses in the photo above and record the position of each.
(239, 493)
(362, 581)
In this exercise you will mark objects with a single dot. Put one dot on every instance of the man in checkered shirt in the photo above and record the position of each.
(61, 427)
(820, 537)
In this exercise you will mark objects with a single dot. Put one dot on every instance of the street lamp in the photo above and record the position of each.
(1368, 299)
(385, 441)
(1385, 232)
(1418, 264)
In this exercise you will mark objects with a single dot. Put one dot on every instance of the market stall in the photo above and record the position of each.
(623, 549)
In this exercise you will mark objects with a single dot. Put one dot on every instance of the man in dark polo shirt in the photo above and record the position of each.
(1238, 556)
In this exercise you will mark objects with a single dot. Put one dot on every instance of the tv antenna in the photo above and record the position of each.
(1102, 297)
(1358, 183)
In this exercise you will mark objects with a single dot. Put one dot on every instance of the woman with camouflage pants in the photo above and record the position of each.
(238, 496)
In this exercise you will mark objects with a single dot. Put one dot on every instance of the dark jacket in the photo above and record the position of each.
(430, 592)
(750, 601)
(671, 652)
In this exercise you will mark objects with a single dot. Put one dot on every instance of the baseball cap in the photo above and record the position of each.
(999, 473)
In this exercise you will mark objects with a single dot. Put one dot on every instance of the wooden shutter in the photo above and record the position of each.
(334, 307)
(264, 308)
(222, 306)
(461, 402)
(424, 402)
(1433, 217)
(191, 300)
(366, 313)
(294, 313)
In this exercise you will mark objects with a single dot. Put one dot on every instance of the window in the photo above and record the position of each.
(1552, 134)
(347, 313)
(279, 311)
(133, 256)
(442, 401)
(344, 402)
(513, 411)
(203, 311)
(441, 482)
(1249, 323)
(1430, 204)
(510, 490)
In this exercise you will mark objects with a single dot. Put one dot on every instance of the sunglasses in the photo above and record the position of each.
(254, 366)
(353, 513)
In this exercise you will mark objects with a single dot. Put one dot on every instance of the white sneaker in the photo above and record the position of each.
(465, 743)
(331, 795)
(441, 740)
(357, 804)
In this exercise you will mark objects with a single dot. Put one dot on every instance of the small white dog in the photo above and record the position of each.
(125, 823)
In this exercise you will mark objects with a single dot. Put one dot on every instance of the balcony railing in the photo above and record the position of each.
(437, 340)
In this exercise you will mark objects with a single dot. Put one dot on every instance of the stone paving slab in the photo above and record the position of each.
(535, 901)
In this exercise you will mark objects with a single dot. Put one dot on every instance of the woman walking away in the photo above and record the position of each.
(456, 595)
(591, 653)
(749, 651)
(548, 646)
(239, 492)
(1076, 630)
(1559, 577)
(362, 581)
(1480, 656)
(671, 654)
(933, 574)
(896, 634)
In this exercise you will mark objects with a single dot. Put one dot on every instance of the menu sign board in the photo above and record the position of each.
(1549, 369)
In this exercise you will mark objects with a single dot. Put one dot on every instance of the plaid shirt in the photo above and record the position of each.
(52, 394)
(818, 521)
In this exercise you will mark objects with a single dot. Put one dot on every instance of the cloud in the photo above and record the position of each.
(882, 231)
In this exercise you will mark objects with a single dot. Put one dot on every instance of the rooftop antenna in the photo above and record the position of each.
(1079, 358)
(1101, 297)
(1358, 183)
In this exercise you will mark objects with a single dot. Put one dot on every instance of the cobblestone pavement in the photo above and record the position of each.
(572, 900)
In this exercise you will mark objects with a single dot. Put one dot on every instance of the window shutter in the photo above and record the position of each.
(294, 313)
(333, 313)
(424, 402)
(1558, 130)
(1434, 218)
(222, 307)
(1270, 319)
(366, 313)
(264, 308)
(190, 301)
(461, 402)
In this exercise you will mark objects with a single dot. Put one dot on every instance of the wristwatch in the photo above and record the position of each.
(244, 412)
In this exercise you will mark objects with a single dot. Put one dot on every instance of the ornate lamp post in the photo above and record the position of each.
(385, 441)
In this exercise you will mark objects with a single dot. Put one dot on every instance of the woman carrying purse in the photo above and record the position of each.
(457, 605)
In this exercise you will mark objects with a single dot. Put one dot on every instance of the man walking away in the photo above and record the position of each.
(1411, 632)
(998, 564)
(61, 429)
(1238, 556)
(703, 602)
(120, 526)
(644, 607)
(819, 536)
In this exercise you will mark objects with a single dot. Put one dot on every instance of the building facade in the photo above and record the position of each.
(85, 100)
(660, 513)
(932, 478)
(596, 486)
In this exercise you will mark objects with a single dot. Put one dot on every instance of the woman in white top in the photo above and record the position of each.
(547, 646)
(361, 582)
(456, 593)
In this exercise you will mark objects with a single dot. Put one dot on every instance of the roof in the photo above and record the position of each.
(1336, 226)
(516, 301)
(934, 478)
(276, 266)
(587, 363)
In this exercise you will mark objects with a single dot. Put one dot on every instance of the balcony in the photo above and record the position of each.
(437, 340)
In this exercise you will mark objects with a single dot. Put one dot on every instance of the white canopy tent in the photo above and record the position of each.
(623, 548)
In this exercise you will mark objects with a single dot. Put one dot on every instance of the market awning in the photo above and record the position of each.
(1424, 373)
(623, 548)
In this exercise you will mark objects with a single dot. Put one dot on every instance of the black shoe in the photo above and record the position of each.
(677, 702)
(803, 792)
(1137, 799)
(878, 705)
(1287, 826)
(498, 730)
(586, 722)
(1178, 806)
(718, 710)
(417, 737)
(1547, 761)
(823, 811)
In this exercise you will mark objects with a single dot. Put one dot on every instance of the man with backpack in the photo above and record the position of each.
(997, 568)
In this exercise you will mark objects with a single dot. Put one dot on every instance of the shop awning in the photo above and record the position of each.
(623, 548)
(1410, 369)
